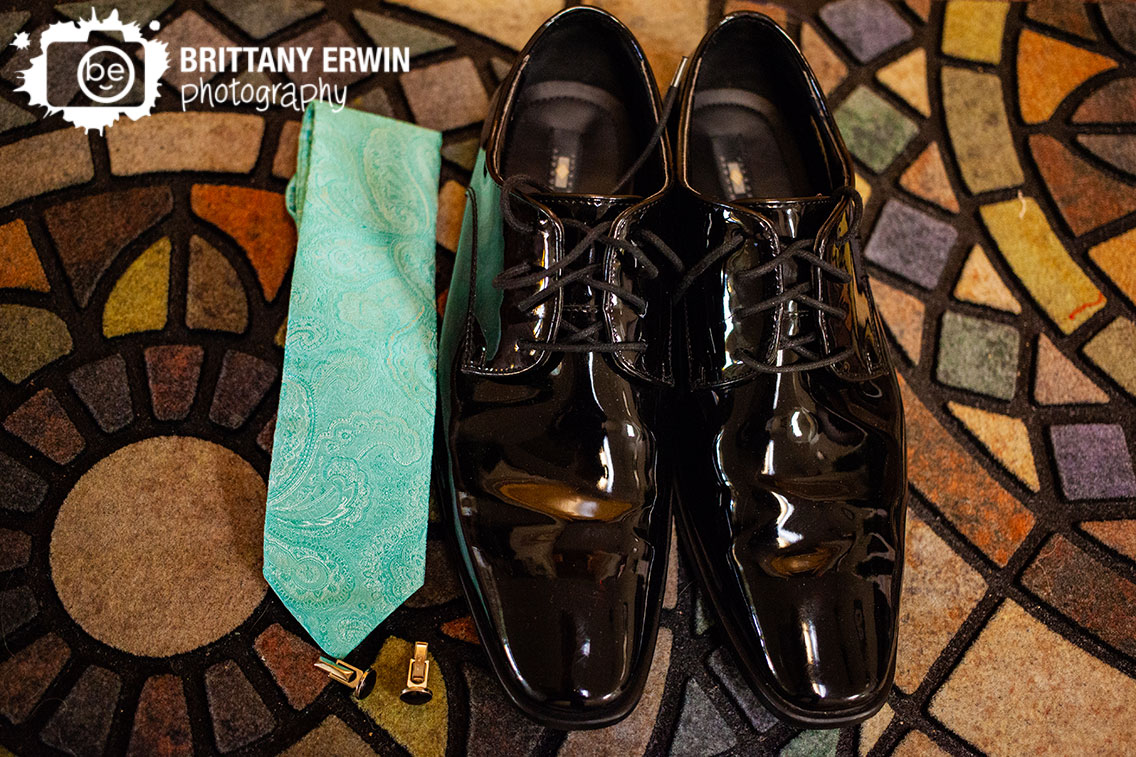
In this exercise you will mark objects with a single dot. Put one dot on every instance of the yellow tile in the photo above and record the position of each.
(907, 77)
(980, 283)
(972, 29)
(1004, 437)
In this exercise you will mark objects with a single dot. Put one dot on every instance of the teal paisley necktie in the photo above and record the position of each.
(348, 491)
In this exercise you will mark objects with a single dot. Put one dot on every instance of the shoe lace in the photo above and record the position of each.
(586, 338)
(801, 293)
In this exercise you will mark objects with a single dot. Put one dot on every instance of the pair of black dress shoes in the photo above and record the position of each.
(629, 327)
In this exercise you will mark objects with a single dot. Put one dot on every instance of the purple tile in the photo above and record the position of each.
(20, 489)
(243, 382)
(81, 724)
(239, 715)
(105, 390)
(1093, 461)
(910, 243)
(867, 27)
(266, 436)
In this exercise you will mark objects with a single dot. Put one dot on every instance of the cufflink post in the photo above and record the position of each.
(361, 681)
(417, 674)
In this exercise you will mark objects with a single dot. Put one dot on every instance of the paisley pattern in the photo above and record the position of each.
(345, 530)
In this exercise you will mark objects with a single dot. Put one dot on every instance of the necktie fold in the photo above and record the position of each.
(348, 489)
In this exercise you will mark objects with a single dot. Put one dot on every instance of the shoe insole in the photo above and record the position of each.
(572, 136)
(740, 146)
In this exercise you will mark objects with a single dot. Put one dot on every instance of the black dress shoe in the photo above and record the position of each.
(791, 475)
(553, 360)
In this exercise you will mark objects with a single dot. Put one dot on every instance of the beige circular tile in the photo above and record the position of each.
(157, 549)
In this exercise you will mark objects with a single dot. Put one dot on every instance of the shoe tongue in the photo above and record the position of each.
(794, 218)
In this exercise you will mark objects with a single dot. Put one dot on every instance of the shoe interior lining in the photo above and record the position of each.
(752, 130)
(583, 115)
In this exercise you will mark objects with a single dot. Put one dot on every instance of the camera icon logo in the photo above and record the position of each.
(95, 71)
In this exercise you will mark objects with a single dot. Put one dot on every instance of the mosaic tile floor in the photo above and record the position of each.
(143, 288)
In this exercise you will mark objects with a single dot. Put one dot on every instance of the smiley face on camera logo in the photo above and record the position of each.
(95, 71)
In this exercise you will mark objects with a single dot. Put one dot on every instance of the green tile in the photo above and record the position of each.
(812, 744)
(874, 130)
(978, 355)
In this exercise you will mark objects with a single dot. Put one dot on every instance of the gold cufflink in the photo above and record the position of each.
(362, 681)
(416, 691)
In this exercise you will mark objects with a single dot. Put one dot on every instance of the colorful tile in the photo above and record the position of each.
(812, 744)
(631, 735)
(82, 723)
(260, 20)
(44, 163)
(510, 23)
(1004, 437)
(1059, 382)
(1117, 534)
(451, 208)
(903, 315)
(778, 13)
(721, 663)
(1114, 102)
(496, 728)
(910, 243)
(327, 34)
(670, 591)
(1080, 587)
(19, 263)
(375, 101)
(89, 233)
(1113, 350)
(20, 489)
(1085, 196)
(1093, 461)
(939, 592)
(258, 221)
(918, 744)
(266, 436)
(238, 713)
(215, 299)
(978, 355)
(10, 23)
(284, 162)
(161, 722)
(1117, 149)
(972, 29)
(105, 389)
(243, 382)
(25, 676)
(463, 153)
(1066, 15)
(192, 31)
(863, 186)
(1041, 262)
(139, 300)
(15, 548)
(874, 130)
(172, 372)
(830, 70)
(1057, 708)
(461, 629)
(980, 283)
(953, 481)
(141, 12)
(701, 730)
(926, 178)
(30, 338)
(331, 737)
(43, 423)
(292, 664)
(1121, 21)
(13, 116)
(387, 30)
(445, 95)
(1048, 70)
(194, 141)
(18, 607)
(420, 729)
(874, 727)
(907, 77)
(979, 130)
(868, 28)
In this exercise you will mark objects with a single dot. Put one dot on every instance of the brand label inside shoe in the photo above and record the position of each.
(562, 176)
